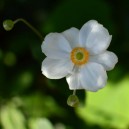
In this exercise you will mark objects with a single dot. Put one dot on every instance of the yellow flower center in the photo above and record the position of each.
(79, 56)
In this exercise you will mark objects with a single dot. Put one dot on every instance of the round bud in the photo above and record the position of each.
(73, 101)
(8, 25)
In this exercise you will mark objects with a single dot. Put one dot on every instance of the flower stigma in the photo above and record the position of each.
(79, 56)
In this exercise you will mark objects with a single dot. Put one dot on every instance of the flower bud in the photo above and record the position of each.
(8, 25)
(73, 101)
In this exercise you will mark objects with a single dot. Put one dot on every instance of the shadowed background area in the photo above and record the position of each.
(28, 100)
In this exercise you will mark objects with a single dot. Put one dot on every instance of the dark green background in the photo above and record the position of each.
(21, 82)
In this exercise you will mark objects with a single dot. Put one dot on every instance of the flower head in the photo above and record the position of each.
(80, 56)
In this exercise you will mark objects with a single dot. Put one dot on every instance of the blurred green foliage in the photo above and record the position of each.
(109, 106)
(28, 100)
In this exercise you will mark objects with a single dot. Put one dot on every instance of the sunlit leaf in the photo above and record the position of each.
(11, 117)
(109, 106)
(40, 123)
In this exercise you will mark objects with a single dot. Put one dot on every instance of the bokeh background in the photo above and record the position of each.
(28, 100)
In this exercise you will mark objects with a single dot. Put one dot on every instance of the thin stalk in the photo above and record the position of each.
(30, 26)
(74, 92)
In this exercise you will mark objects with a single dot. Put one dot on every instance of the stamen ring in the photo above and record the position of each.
(79, 56)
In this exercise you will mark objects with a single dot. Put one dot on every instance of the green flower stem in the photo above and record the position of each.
(30, 26)
(74, 92)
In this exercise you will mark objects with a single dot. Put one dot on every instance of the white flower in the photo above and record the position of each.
(80, 56)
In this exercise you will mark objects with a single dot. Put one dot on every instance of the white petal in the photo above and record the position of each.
(94, 37)
(93, 76)
(56, 68)
(73, 80)
(107, 59)
(56, 46)
(72, 35)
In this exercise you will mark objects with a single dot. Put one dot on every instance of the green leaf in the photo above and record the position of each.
(40, 123)
(11, 117)
(39, 105)
(109, 106)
